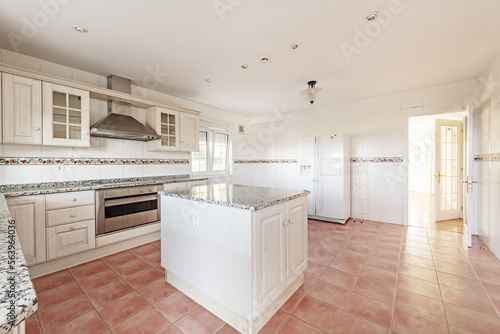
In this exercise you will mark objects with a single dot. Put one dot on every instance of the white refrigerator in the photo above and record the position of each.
(324, 169)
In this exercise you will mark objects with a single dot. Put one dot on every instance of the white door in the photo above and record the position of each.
(448, 169)
(330, 191)
(469, 179)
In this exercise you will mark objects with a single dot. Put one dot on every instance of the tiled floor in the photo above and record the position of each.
(362, 278)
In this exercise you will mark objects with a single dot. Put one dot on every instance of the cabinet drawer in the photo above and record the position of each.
(67, 200)
(70, 239)
(70, 215)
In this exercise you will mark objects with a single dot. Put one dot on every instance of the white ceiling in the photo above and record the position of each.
(424, 43)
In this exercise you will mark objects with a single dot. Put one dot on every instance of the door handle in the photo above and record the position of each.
(439, 175)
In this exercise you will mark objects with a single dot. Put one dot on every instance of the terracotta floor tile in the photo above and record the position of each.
(117, 259)
(274, 323)
(417, 244)
(471, 301)
(87, 323)
(417, 252)
(309, 282)
(50, 281)
(32, 325)
(58, 295)
(406, 322)
(418, 261)
(175, 306)
(98, 280)
(293, 301)
(171, 330)
(108, 293)
(156, 243)
(419, 286)
(455, 269)
(418, 272)
(493, 290)
(455, 251)
(340, 278)
(471, 321)
(346, 265)
(375, 290)
(295, 326)
(329, 293)
(147, 321)
(152, 258)
(355, 246)
(488, 276)
(461, 283)
(122, 308)
(422, 305)
(228, 330)
(485, 266)
(370, 309)
(351, 324)
(385, 254)
(314, 269)
(156, 290)
(457, 260)
(64, 312)
(200, 321)
(330, 245)
(141, 278)
(352, 256)
(454, 330)
(320, 255)
(381, 263)
(143, 250)
(87, 269)
(317, 314)
(379, 275)
(131, 267)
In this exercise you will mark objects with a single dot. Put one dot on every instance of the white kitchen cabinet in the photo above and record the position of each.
(280, 239)
(189, 133)
(166, 123)
(22, 109)
(29, 215)
(66, 116)
(69, 239)
(70, 223)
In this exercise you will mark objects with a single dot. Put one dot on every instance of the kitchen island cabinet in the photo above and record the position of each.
(239, 251)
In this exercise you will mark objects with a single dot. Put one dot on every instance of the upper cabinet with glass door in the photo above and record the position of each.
(166, 123)
(66, 116)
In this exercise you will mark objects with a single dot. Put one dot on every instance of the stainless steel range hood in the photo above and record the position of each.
(117, 124)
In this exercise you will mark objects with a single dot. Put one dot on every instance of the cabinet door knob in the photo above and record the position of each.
(284, 223)
(290, 221)
(36, 129)
(72, 215)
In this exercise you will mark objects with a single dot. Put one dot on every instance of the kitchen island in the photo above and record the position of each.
(239, 251)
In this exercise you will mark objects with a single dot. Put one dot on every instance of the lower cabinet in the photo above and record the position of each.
(29, 215)
(70, 239)
(280, 240)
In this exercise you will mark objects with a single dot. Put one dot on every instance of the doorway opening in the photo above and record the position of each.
(435, 156)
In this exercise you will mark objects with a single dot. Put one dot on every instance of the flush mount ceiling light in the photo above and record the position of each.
(372, 16)
(208, 80)
(80, 29)
(294, 46)
(311, 93)
(244, 67)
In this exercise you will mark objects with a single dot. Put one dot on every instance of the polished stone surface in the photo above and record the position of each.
(18, 299)
(237, 196)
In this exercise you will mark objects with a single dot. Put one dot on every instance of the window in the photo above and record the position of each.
(213, 156)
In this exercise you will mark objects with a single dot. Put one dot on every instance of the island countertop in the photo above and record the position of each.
(237, 196)
(18, 299)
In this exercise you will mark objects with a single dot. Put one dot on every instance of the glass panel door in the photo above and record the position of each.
(66, 116)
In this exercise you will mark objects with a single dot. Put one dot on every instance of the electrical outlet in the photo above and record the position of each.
(196, 219)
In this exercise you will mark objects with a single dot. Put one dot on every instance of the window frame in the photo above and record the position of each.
(211, 134)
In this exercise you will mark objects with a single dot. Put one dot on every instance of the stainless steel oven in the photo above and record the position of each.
(121, 208)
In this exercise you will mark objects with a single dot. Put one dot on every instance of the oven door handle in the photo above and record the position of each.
(121, 201)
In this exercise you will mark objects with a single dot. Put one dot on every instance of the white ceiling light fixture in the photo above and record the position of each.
(311, 93)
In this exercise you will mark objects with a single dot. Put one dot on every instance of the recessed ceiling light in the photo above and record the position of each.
(294, 46)
(264, 58)
(208, 80)
(371, 16)
(80, 29)
(244, 67)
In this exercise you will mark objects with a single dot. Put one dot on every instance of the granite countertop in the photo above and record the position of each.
(237, 196)
(12, 190)
(18, 299)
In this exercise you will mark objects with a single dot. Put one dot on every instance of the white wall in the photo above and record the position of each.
(488, 142)
(99, 147)
(378, 127)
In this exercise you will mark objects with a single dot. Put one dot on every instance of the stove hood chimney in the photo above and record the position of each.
(117, 124)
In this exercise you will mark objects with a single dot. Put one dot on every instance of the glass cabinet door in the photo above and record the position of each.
(168, 129)
(67, 114)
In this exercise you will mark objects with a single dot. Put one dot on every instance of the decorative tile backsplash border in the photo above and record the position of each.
(487, 157)
(377, 160)
(90, 161)
(267, 161)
